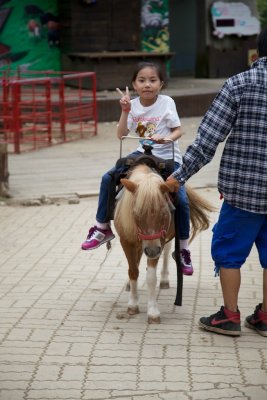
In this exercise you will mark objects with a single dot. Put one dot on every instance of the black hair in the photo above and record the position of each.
(147, 64)
(262, 43)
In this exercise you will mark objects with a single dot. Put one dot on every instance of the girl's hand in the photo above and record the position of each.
(157, 138)
(125, 100)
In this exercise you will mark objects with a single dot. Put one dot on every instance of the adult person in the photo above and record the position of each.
(238, 114)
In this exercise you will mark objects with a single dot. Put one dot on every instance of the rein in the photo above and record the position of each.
(160, 234)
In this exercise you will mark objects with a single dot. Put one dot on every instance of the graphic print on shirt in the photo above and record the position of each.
(140, 129)
(147, 130)
(150, 129)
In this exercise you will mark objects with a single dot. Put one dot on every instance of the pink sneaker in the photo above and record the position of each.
(186, 263)
(96, 237)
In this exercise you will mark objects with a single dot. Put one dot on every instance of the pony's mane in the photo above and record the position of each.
(146, 201)
(148, 198)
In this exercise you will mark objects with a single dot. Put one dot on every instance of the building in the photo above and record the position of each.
(108, 36)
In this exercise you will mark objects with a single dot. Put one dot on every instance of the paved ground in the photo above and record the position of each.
(64, 330)
(75, 168)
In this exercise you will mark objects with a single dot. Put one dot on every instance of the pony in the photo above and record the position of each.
(144, 221)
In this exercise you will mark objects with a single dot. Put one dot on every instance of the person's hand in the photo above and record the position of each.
(171, 178)
(157, 138)
(125, 100)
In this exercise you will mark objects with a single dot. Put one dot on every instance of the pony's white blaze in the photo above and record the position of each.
(145, 224)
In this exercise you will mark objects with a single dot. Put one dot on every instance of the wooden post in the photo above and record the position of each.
(4, 171)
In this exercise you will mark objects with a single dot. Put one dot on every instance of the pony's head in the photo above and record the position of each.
(147, 216)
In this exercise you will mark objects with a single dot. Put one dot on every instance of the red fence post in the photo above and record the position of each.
(16, 123)
(62, 108)
(48, 110)
(6, 111)
(94, 100)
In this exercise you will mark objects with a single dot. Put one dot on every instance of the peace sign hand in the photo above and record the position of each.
(125, 101)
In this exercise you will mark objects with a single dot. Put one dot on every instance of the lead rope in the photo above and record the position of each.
(109, 248)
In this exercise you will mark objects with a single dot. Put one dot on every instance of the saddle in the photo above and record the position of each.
(123, 167)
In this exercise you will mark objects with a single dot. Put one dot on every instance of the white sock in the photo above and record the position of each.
(102, 225)
(184, 244)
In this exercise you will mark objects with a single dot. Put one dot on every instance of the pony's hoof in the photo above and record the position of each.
(133, 310)
(164, 285)
(127, 287)
(153, 320)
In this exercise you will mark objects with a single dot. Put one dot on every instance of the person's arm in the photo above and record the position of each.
(122, 129)
(214, 128)
(175, 134)
(125, 103)
(172, 122)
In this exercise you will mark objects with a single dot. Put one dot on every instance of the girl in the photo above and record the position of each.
(154, 116)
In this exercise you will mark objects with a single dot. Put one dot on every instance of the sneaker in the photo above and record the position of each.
(96, 237)
(257, 321)
(224, 321)
(186, 263)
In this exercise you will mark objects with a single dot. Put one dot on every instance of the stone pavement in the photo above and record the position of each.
(64, 330)
(75, 169)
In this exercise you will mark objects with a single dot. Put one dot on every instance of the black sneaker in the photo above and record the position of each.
(224, 321)
(257, 321)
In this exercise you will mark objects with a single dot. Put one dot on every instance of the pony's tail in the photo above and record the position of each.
(199, 212)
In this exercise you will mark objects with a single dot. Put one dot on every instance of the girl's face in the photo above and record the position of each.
(147, 85)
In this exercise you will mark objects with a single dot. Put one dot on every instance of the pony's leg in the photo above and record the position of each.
(153, 313)
(164, 278)
(133, 254)
(133, 307)
(127, 287)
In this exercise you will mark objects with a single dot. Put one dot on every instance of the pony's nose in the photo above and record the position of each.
(152, 252)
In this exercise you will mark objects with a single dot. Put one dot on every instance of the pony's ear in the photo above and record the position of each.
(169, 186)
(129, 185)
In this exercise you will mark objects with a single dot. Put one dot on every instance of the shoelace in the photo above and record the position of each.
(186, 256)
(255, 314)
(91, 232)
(219, 314)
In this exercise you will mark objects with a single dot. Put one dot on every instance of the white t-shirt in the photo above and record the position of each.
(158, 118)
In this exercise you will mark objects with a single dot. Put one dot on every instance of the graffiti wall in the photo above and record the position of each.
(29, 35)
(155, 25)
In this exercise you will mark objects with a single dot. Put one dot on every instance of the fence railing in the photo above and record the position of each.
(47, 108)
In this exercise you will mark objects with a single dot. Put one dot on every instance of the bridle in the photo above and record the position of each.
(142, 236)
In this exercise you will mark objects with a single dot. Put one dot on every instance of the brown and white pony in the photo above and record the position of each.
(145, 223)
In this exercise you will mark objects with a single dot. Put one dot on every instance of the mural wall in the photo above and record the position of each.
(155, 25)
(29, 35)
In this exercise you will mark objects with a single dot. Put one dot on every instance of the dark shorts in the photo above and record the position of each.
(234, 235)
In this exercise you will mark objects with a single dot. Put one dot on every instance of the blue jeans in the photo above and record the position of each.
(182, 214)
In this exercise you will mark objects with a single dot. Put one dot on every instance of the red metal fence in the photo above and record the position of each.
(47, 109)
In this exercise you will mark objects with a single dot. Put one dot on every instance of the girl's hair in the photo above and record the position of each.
(262, 43)
(147, 64)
